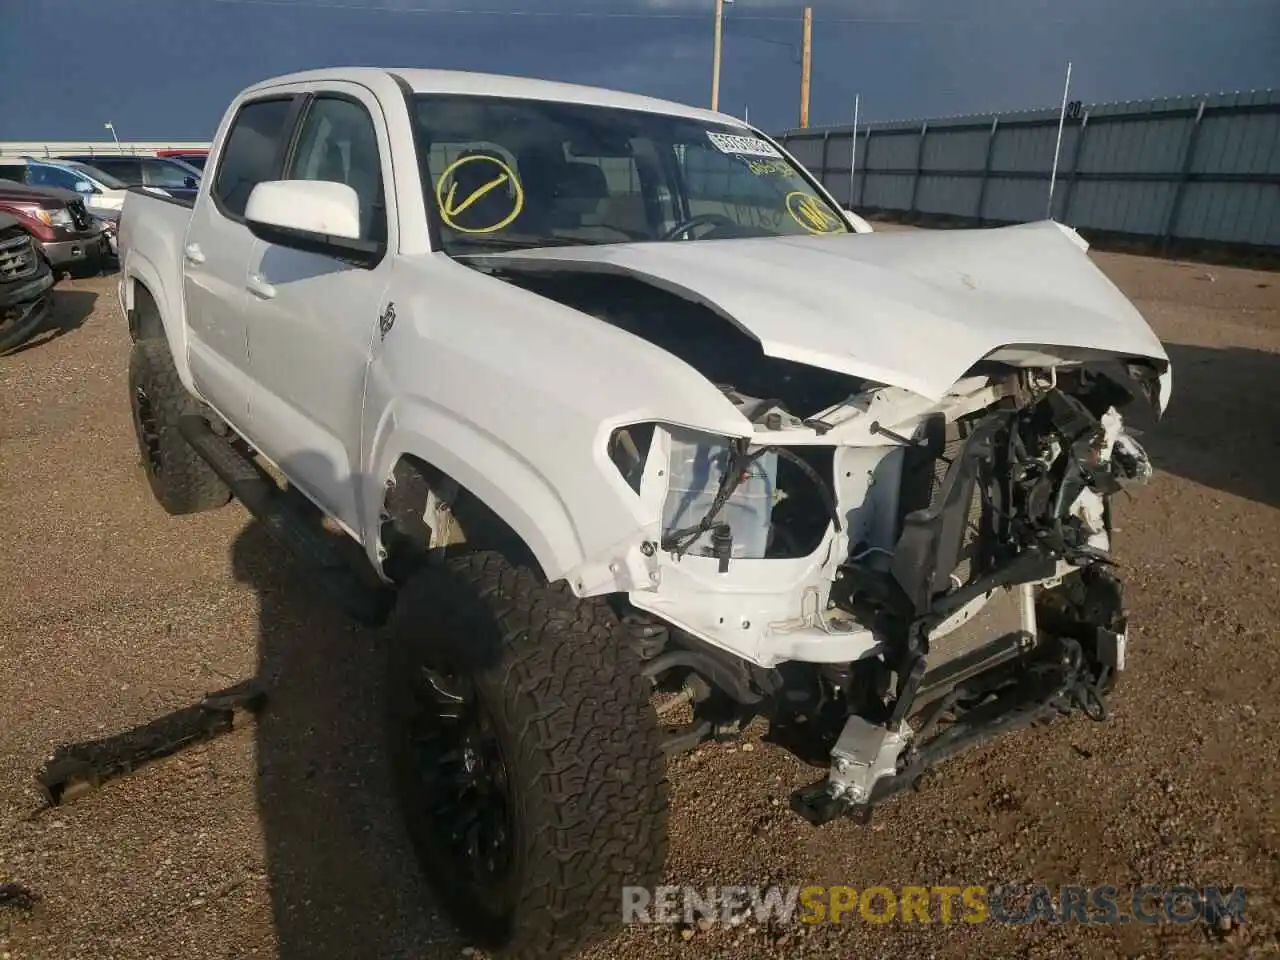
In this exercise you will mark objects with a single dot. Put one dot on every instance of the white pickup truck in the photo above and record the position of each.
(643, 437)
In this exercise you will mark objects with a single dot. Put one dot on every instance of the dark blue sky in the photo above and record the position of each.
(166, 68)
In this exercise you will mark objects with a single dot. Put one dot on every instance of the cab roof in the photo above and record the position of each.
(502, 85)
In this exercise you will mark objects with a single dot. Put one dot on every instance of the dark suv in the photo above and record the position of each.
(25, 281)
(66, 234)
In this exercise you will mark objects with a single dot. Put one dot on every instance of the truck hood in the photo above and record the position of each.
(909, 309)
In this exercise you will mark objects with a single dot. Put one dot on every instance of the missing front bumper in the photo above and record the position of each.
(872, 762)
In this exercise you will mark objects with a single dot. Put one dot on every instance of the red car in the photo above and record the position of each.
(67, 236)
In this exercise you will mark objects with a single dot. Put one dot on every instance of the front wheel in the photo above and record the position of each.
(526, 755)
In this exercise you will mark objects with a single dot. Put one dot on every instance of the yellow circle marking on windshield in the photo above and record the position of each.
(452, 205)
(808, 211)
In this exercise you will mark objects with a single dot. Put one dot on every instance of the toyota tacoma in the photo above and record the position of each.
(642, 437)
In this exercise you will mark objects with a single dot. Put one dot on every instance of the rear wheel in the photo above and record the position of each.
(526, 755)
(179, 479)
(144, 318)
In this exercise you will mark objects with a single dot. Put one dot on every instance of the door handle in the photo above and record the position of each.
(259, 287)
(193, 253)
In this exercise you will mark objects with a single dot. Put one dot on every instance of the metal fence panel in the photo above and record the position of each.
(1194, 168)
(887, 192)
(950, 196)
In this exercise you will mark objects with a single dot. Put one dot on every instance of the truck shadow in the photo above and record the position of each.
(1220, 427)
(344, 882)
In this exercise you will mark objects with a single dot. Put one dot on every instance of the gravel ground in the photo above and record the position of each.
(278, 840)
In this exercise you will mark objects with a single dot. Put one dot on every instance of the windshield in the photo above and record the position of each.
(104, 178)
(516, 173)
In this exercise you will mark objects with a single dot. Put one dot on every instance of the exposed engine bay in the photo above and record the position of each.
(896, 576)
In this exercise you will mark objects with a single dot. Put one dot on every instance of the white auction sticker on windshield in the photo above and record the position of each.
(742, 146)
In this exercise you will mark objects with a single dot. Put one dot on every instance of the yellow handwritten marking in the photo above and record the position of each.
(449, 210)
(453, 188)
(808, 211)
(765, 168)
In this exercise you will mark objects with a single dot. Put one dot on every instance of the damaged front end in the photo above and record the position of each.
(891, 580)
(907, 549)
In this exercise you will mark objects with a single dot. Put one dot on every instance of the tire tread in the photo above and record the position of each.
(188, 484)
(589, 766)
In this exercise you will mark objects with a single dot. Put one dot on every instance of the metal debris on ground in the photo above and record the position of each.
(77, 768)
(18, 896)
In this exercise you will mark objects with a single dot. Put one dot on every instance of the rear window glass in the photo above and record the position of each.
(249, 156)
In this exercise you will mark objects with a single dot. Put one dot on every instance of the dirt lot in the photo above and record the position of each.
(279, 840)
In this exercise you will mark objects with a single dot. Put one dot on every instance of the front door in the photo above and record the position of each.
(313, 319)
(215, 258)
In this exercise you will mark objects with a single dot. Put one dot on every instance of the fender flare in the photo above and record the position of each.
(140, 271)
(522, 498)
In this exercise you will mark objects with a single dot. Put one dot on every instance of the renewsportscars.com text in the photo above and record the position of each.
(812, 904)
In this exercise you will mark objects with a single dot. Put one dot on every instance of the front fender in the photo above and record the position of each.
(490, 470)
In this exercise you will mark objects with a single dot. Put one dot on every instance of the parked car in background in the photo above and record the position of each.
(171, 177)
(195, 158)
(110, 220)
(98, 189)
(25, 282)
(187, 165)
(65, 233)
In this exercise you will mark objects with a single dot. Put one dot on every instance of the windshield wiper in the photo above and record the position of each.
(487, 244)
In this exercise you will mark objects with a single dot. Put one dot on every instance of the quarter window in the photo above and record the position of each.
(249, 156)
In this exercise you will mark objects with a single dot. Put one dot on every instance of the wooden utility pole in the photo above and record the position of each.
(715, 58)
(806, 58)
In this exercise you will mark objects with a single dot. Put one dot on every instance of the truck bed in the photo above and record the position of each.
(153, 229)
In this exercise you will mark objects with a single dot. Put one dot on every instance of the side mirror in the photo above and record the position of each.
(190, 183)
(84, 186)
(859, 225)
(312, 215)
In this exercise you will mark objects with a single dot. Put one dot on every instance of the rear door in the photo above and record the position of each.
(216, 255)
(313, 319)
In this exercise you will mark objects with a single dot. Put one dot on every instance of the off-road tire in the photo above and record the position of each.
(144, 319)
(179, 479)
(576, 734)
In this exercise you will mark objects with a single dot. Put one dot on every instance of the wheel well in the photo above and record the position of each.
(144, 317)
(426, 515)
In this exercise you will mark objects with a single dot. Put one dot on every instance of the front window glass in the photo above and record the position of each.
(509, 173)
(338, 143)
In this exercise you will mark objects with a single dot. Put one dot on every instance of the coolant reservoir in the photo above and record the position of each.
(697, 463)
